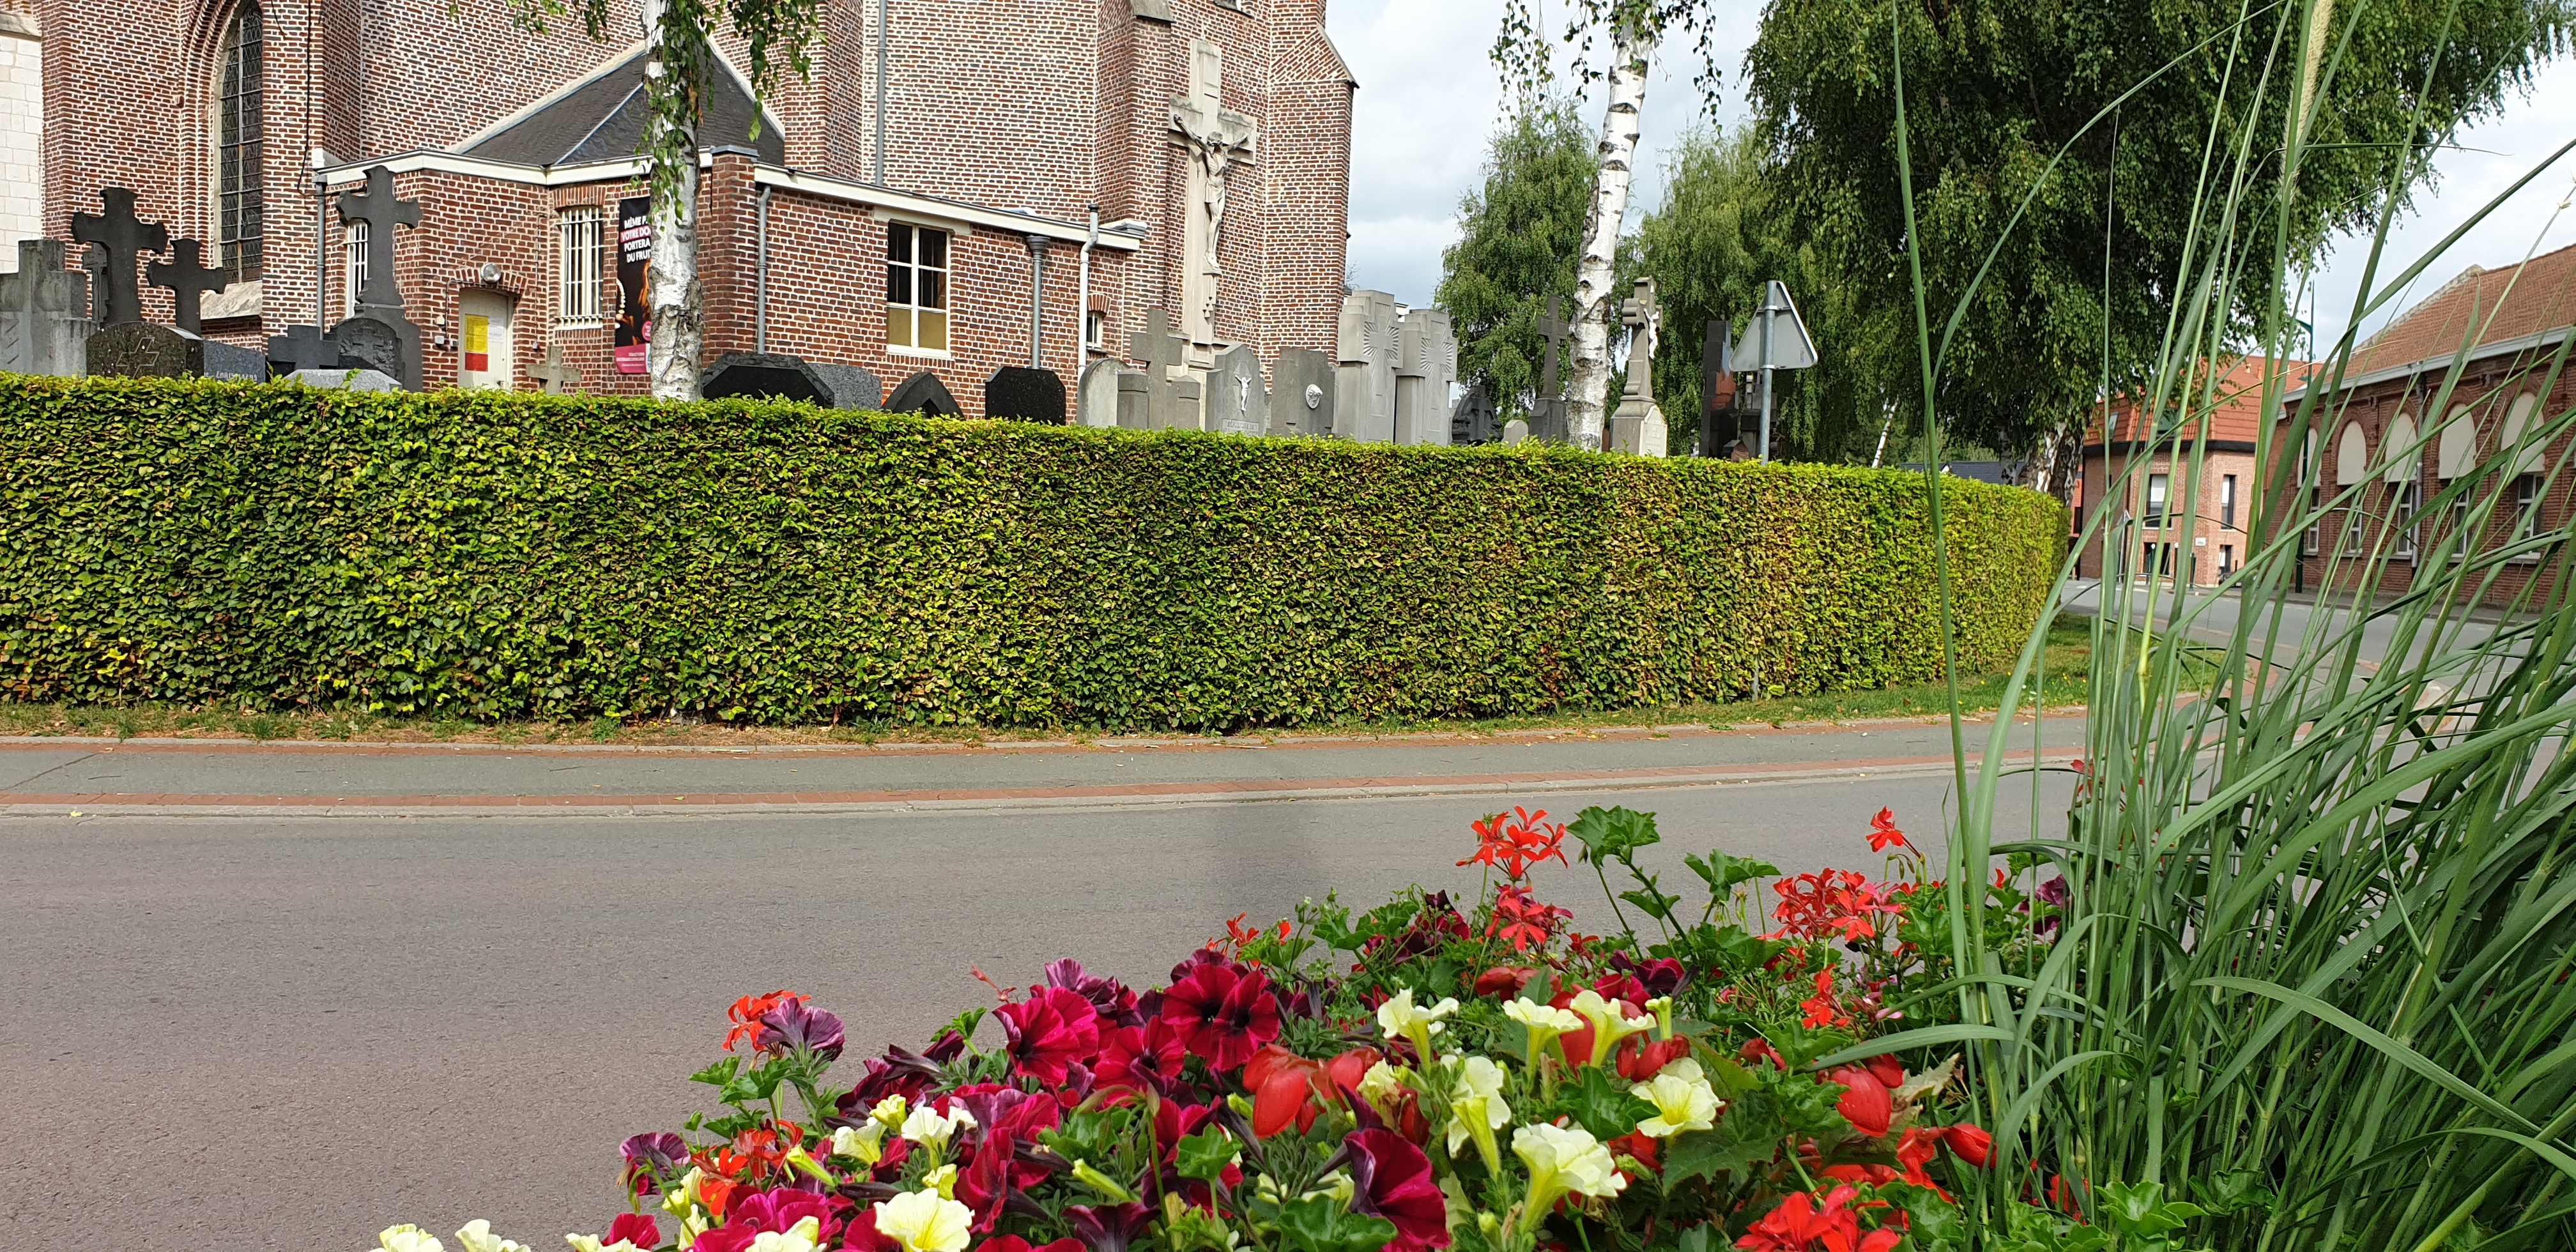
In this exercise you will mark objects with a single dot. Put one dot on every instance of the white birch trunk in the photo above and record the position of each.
(675, 302)
(1596, 303)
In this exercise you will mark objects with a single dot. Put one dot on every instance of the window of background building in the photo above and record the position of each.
(2526, 510)
(2226, 560)
(2227, 501)
(577, 266)
(1095, 329)
(2404, 501)
(2156, 487)
(237, 146)
(353, 266)
(916, 287)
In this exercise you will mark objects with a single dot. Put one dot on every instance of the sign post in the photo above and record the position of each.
(1776, 339)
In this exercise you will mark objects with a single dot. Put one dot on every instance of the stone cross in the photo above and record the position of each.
(302, 348)
(1367, 347)
(377, 207)
(557, 377)
(114, 237)
(1644, 321)
(1549, 423)
(1216, 139)
(189, 281)
(1162, 351)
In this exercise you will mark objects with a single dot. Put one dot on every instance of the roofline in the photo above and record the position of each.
(884, 199)
(2501, 347)
(768, 120)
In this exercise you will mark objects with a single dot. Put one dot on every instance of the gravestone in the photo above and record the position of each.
(1548, 422)
(1473, 421)
(1186, 396)
(557, 377)
(307, 348)
(1637, 426)
(143, 350)
(94, 263)
(1426, 364)
(1163, 353)
(773, 376)
(345, 380)
(852, 387)
(44, 314)
(1515, 433)
(1364, 401)
(381, 334)
(1302, 400)
(923, 393)
(238, 364)
(1020, 393)
(114, 237)
(1237, 403)
(1097, 396)
(189, 281)
(1135, 401)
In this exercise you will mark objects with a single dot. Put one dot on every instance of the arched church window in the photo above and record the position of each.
(237, 145)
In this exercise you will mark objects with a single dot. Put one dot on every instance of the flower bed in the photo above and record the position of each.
(1428, 1074)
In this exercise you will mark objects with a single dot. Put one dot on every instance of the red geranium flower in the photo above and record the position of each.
(1222, 1015)
(1973, 1144)
(1820, 1008)
(1864, 1103)
(1883, 833)
(1524, 921)
(1391, 1178)
(1512, 844)
(1050, 1031)
(1802, 1224)
(746, 1013)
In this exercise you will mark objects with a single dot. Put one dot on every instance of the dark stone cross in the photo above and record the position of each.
(377, 207)
(189, 281)
(1555, 330)
(114, 237)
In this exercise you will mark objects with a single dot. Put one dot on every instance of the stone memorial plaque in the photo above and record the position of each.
(1237, 402)
(1135, 401)
(1019, 393)
(44, 314)
(763, 376)
(1097, 396)
(1365, 400)
(224, 360)
(143, 350)
(391, 348)
(923, 393)
(1301, 401)
(346, 380)
(852, 387)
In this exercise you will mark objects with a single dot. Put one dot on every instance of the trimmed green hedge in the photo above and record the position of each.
(513, 555)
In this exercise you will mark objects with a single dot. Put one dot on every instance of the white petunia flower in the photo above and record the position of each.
(408, 1238)
(925, 1221)
(1680, 1104)
(1564, 1160)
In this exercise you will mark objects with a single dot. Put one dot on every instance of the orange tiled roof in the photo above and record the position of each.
(2498, 304)
(2235, 416)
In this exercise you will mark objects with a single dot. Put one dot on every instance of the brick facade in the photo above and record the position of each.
(1002, 122)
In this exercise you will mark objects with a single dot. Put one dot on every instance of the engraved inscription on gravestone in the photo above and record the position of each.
(143, 350)
(1237, 402)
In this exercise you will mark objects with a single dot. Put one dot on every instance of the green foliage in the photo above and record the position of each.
(1518, 239)
(2002, 90)
(495, 555)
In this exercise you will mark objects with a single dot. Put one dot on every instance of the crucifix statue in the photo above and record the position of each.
(190, 280)
(114, 237)
(1216, 140)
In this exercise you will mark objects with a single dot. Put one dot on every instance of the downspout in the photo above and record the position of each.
(760, 281)
(321, 244)
(1082, 302)
(1037, 301)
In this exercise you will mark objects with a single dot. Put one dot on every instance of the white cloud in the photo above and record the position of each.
(1429, 98)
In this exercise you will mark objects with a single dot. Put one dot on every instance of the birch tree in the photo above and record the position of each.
(1633, 29)
(680, 62)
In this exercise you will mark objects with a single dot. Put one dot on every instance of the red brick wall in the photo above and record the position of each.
(2196, 562)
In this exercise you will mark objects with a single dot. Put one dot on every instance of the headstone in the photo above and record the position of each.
(1020, 393)
(1302, 399)
(1098, 394)
(189, 281)
(1720, 421)
(1426, 364)
(923, 393)
(1187, 413)
(1515, 433)
(1364, 403)
(391, 348)
(852, 387)
(557, 377)
(238, 364)
(1237, 403)
(1549, 421)
(1473, 420)
(1135, 401)
(1637, 426)
(1163, 353)
(346, 380)
(94, 262)
(143, 350)
(44, 314)
(381, 334)
(114, 237)
(763, 376)
(307, 348)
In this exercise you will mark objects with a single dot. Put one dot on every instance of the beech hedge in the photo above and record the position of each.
(500, 555)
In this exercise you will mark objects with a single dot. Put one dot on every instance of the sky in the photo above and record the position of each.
(1429, 98)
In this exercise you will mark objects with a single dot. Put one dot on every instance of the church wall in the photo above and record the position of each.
(22, 134)
(1307, 190)
(987, 103)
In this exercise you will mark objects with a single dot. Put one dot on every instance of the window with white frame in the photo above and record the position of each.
(577, 266)
(2157, 486)
(1095, 329)
(2405, 500)
(2227, 501)
(916, 288)
(2526, 511)
(2354, 515)
(353, 266)
(2226, 560)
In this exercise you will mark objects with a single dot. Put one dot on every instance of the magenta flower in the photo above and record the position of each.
(793, 1025)
(1391, 1178)
(1108, 1227)
(1050, 1031)
(747, 1217)
(635, 1228)
(1146, 1058)
(652, 1157)
(1110, 997)
(1221, 1014)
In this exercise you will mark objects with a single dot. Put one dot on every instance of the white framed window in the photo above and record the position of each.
(578, 266)
(240, 179)
(2226, 560)
(2405, 501)
(1095, 329)
(916, 289)
(2157, 486)
(2354, 515)
(353, 266)
(2227, 501)
(2526, 510)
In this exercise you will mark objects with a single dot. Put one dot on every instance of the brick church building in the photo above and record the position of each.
(925, 200)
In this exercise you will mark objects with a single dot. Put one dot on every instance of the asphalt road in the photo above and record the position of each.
(287, 1031)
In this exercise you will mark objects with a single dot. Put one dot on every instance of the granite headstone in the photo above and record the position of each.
(391, 348)
(143, 350)
(1020, 393)
(231, 361)
(1472, 422)
(1302, 396)
(1237, 402)
(346, 380)
(44, 314)
(1135, 401)
(1426, 362)
(763, 375)
(923, 393)
(852, 387)
(1364, 403)
(1098, 394)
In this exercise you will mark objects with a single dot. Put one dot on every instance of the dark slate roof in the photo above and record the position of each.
(602, 119)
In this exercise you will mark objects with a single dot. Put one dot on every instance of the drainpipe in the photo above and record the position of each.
(760, 287)
(321, 242)
(1037, 301)
(1082, 302)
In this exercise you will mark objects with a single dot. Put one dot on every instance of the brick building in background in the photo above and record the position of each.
(2154, 523)
(2377, 430)
(949, 231)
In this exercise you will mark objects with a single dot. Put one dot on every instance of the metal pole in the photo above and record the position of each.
(760, 300)
(881, 90)
(321, 244)
(1768, 315)
(1082, 303)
